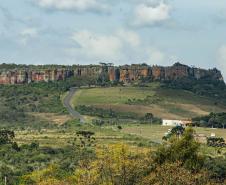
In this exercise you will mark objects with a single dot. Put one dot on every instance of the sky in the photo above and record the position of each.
(158, 32)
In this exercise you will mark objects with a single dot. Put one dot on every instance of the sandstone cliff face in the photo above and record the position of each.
(158, 73)
(87, 70)
(133, 73)
(126, 74)
(27, 76)
(112, 72)
(12, 77)
(4, 78)
(176, 71)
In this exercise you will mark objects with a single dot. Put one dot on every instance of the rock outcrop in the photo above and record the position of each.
(134, 72)
(126, 73)
(20, 76)
(170, 73)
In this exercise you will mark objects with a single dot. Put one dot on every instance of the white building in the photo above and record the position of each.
(167, 122)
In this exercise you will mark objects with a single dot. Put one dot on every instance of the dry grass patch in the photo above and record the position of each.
(53, 117)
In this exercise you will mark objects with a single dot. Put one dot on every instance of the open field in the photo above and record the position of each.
(165, 103)
(130, 133)
(156, 132)
(61, 137)
(171, 104)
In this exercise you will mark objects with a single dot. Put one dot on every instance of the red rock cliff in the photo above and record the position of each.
(126, 73)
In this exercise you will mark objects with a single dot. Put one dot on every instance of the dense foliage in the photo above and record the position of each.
(215, 120)
(177, 131)
(104, 113)
(184, 149)
(216, 142)
(204, 87)
(26, 158)
(109, 113)
(6, 136)
(177, 162)
(17, 102)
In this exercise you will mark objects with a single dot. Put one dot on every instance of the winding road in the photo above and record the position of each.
(70, 109)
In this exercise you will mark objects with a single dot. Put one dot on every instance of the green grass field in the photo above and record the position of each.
(170, 104)
(61, 137)
(156, 132)
(130, 134)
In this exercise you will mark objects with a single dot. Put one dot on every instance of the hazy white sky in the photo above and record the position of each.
(119, 31)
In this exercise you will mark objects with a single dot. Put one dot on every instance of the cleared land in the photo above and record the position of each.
(166, 103)
(58, 119)
(63, 137)
(134, 134)
(156, 132)
(163, 103)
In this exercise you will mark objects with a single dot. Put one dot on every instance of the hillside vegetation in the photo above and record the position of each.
(25, 105)
(41, 144)
(180, 160)
(163, 102)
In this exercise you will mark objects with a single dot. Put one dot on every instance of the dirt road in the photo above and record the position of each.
(70, 109)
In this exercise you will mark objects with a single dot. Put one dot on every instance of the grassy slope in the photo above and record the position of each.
(173, 104)
(156, 132)
(133, 134)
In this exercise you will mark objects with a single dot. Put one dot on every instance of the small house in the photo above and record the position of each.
(173, 123)
(166, 122)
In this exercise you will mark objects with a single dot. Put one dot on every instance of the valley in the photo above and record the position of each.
(50, 133)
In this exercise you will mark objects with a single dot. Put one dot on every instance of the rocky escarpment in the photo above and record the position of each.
(126, 73)
(131, 73)
(20, 76)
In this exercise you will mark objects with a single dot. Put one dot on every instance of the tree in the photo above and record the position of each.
(217, 120)
(84, 139)
(216, 142)
(6, 136)
(213, 120)
(221, 119)
(174, 174)
(114, 165)
(184, 149)
(149, 117)
(47, 176)
(175, 131)
(217, 168)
